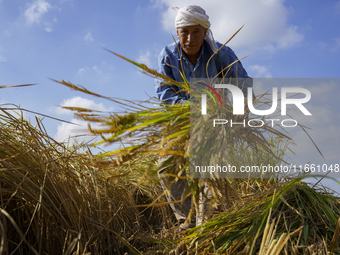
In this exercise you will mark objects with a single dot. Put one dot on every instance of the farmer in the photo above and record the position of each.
(196, 45)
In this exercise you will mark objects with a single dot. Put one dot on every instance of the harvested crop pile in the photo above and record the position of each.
(304, 217)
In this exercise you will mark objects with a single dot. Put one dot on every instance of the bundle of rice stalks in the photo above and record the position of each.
(145, 129)
(55, 200)
(280, 218)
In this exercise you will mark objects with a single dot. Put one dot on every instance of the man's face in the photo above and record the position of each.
(191, 39)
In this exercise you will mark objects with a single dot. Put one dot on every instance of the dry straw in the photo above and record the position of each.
(56, 199)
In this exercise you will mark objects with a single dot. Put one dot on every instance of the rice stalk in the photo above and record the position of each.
(233, 231)
(14, 86)
(60, 198)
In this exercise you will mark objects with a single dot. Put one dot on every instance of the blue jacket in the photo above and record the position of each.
(170, 65)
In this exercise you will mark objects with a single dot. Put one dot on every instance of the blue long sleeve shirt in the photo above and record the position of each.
(169, 64)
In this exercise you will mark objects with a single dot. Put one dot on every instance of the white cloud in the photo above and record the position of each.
(265, 21)
(322, 116)
(88, 37)
(257, 71)
(149, 57)
(49, 29)
(144, 58)
(97, 70)
(326, 140)
(323, 128)
(80, 127)
(36, 10)
(326, 91)
(76, 132)
(83, 103)
(81, 71)
(66, 130)
(102, 71)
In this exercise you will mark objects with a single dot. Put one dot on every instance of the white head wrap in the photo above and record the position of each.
(193, 15)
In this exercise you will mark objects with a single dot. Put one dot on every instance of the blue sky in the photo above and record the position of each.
(65, 39)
